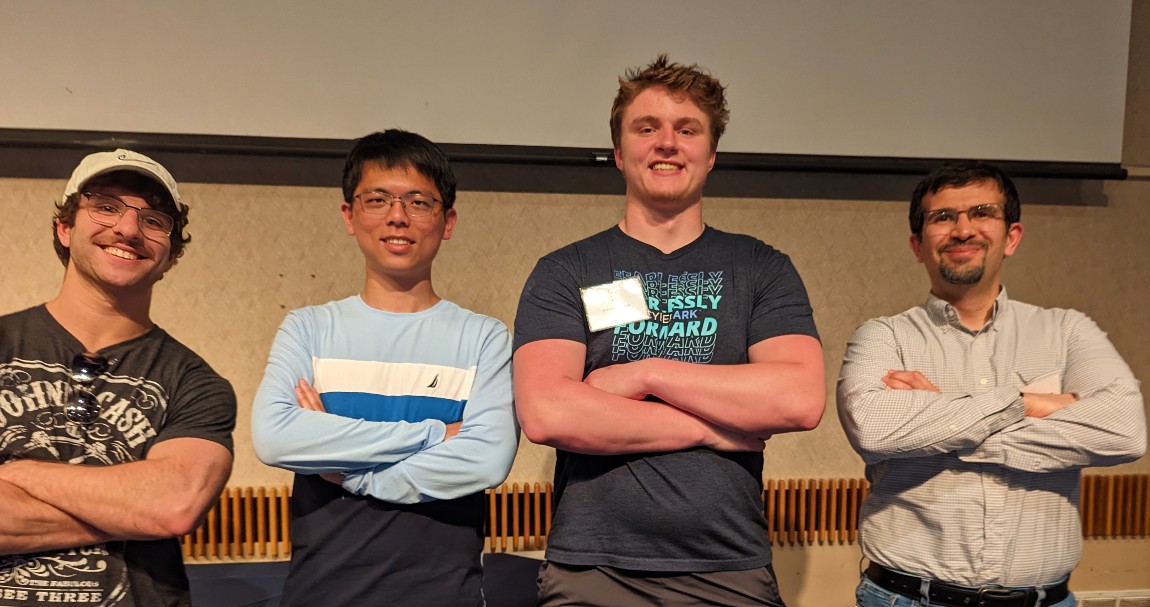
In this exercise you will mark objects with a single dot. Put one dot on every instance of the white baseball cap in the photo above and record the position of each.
(100, 163)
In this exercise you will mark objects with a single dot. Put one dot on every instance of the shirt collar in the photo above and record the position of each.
(942, 313)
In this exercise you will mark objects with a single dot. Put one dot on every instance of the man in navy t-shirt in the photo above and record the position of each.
(656, 357)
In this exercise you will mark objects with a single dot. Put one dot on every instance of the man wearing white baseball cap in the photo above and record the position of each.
(114, 438)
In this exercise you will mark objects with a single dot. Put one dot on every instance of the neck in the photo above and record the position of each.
(99, 318)
(391, 295)
(974, 303)
(666, 227)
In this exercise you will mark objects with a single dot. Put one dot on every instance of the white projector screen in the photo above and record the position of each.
(1039, 80)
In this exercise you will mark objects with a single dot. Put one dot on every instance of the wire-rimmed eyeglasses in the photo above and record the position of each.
(107, 210)
(417, 205)
(977, 214)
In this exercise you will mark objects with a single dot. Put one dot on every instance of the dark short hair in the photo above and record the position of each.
(962, 173)
(395, 148)
(691, 80)
(154, 192)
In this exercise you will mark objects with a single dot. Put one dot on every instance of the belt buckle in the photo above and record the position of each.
(998, 595)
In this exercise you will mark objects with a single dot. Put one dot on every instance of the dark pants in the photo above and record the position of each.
(565, 585)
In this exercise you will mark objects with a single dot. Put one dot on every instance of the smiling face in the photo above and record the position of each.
(397, 248)
(965, 252)
(117, 257)
(664, 148)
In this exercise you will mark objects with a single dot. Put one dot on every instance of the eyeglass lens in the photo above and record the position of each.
(83, 407)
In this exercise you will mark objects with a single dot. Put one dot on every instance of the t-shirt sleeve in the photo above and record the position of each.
(781, 305)
(202, 406)
(550, 306)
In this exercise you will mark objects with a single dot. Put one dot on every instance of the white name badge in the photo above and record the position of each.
(615, 303)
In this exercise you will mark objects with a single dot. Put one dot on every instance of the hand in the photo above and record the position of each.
(452, 430)
(907, 380)
(621, 380)
(308, 397)
(722, 439)
(1041, 405)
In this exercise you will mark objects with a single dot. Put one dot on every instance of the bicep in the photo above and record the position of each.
(802, 350)
(537, 365)
(539, 369)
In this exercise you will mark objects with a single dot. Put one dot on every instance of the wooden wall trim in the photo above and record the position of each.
(251, 523)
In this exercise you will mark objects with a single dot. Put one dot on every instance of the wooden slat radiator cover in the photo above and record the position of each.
(252, 523)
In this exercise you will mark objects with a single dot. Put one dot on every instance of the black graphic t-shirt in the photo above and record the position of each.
(694, 510)
(154, 389)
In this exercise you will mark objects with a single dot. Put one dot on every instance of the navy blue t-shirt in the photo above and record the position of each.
(697, 509)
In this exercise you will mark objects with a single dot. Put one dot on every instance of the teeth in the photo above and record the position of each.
(396, 240)
(122, 254)
(664, 166)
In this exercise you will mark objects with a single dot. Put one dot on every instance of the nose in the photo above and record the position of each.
(963, 228)
(128, 225)
(668, 140)
(397, 213)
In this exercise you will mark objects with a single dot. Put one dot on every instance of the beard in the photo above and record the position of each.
(961, 276)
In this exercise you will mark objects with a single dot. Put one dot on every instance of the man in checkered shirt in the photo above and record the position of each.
(975, 415)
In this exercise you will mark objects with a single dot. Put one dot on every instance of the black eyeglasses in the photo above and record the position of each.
(83, 408)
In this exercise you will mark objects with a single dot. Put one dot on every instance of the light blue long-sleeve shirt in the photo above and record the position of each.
(390, 382)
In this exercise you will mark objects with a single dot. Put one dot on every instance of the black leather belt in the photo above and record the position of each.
(942, 593)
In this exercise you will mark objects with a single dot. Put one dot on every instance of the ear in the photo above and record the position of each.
(1013, 238)
(345, 211)
(64, 233)
(711, 160)
(618, 158)
(916, 246)
(449, 219)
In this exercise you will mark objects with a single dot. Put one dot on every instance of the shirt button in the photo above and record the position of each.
(983, 381)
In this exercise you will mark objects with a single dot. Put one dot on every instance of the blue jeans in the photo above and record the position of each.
(870, 594)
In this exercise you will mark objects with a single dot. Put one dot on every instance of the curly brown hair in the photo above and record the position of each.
(691, 80)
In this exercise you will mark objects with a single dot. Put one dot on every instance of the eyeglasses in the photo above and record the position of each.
(107, 210)
(83, 408)
(417, 205)
(977, 214)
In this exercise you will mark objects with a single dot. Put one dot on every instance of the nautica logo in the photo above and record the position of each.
(434, 382)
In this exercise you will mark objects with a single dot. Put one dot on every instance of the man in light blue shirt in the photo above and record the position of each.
(393, 407)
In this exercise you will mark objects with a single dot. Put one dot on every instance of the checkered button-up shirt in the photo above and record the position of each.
(964, 487)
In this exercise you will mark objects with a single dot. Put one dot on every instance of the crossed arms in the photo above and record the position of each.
(889, 411)
(50, 505)
(723, 407)
(400, 462)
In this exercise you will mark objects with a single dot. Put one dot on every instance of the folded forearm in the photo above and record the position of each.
(760, 399)
(144, 500)
(29, 525)
(885, 424)
(1105, 429)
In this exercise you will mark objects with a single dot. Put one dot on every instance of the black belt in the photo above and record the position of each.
(962, 596)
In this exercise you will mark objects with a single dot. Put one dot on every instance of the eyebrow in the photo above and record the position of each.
(679, 122)
(383, 191)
